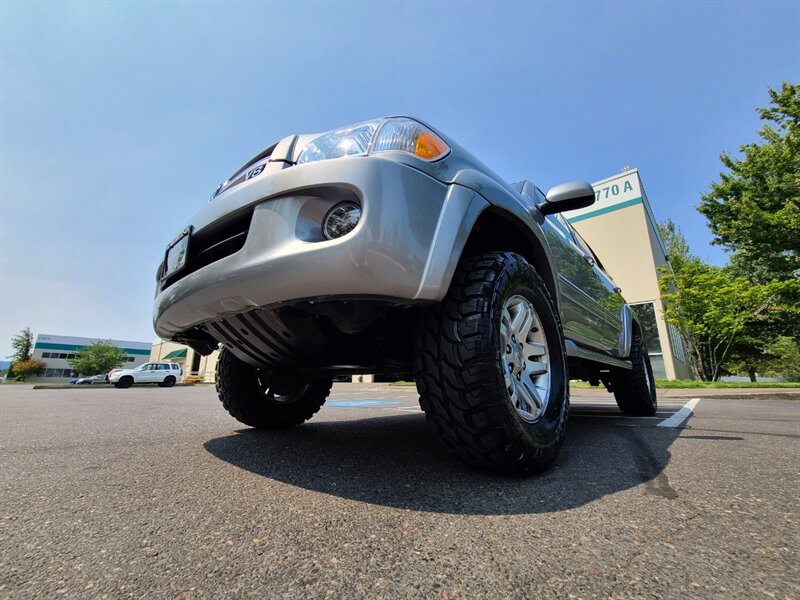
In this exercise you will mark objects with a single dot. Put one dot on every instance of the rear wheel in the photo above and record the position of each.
(635, 389)
(169, 381)
(490, 366)
(267, 400)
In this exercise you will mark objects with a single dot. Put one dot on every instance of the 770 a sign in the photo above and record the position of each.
(610, 191)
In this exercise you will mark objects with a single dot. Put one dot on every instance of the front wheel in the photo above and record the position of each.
(124, 382)
(267, 400)
(490, 366)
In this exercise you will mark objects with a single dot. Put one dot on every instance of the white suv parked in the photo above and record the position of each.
(165, 374)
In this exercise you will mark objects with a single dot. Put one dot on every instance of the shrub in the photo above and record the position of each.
(23, 369)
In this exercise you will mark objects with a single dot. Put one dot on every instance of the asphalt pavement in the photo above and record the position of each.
(158, 493)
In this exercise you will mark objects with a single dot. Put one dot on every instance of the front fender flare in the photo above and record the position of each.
(505, 201)
(461, 209)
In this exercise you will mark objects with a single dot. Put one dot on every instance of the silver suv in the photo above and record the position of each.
(385, 247)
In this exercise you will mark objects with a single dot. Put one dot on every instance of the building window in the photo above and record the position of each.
(646, 315)
(657, 364)
(677, 343)
(66, 373)
(45, 355)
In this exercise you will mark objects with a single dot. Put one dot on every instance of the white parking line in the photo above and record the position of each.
(679, 417)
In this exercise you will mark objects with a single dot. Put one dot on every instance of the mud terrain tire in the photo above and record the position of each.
(462, 378)
(249, 396)
(635, 390)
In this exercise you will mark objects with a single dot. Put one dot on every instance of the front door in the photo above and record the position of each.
(583, 292)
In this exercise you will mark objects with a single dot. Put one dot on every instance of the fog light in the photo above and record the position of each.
(341, 220)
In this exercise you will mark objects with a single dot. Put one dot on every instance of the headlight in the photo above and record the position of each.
(347, 141)
(373, 137)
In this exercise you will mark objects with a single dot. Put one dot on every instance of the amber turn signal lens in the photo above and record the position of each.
(401, 134)
(429, 146)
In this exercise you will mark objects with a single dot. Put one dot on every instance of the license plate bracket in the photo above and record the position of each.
(177, 253)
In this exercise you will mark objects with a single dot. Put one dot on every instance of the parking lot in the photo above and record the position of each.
(151, 492)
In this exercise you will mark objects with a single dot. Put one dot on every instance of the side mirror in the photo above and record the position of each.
(567, 196)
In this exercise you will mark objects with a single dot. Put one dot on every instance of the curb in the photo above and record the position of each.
(739, 395)
(724, 393)
(103, 386)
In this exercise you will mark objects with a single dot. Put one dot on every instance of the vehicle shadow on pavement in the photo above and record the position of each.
(397, 461)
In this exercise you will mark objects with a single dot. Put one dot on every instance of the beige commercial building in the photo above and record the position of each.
(622, 231)
(191, 361)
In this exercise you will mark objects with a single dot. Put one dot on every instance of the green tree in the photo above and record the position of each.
(22, 343)
(96, 358)
(754, 351)
(786, 361)
(710, 307)
(776, 357)
(677, 247)
(27, 367)
(754, 210)
(749, 354)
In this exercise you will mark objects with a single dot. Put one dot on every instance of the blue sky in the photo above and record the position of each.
(117, 120)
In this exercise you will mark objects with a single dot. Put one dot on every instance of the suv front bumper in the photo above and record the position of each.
(404, 248)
